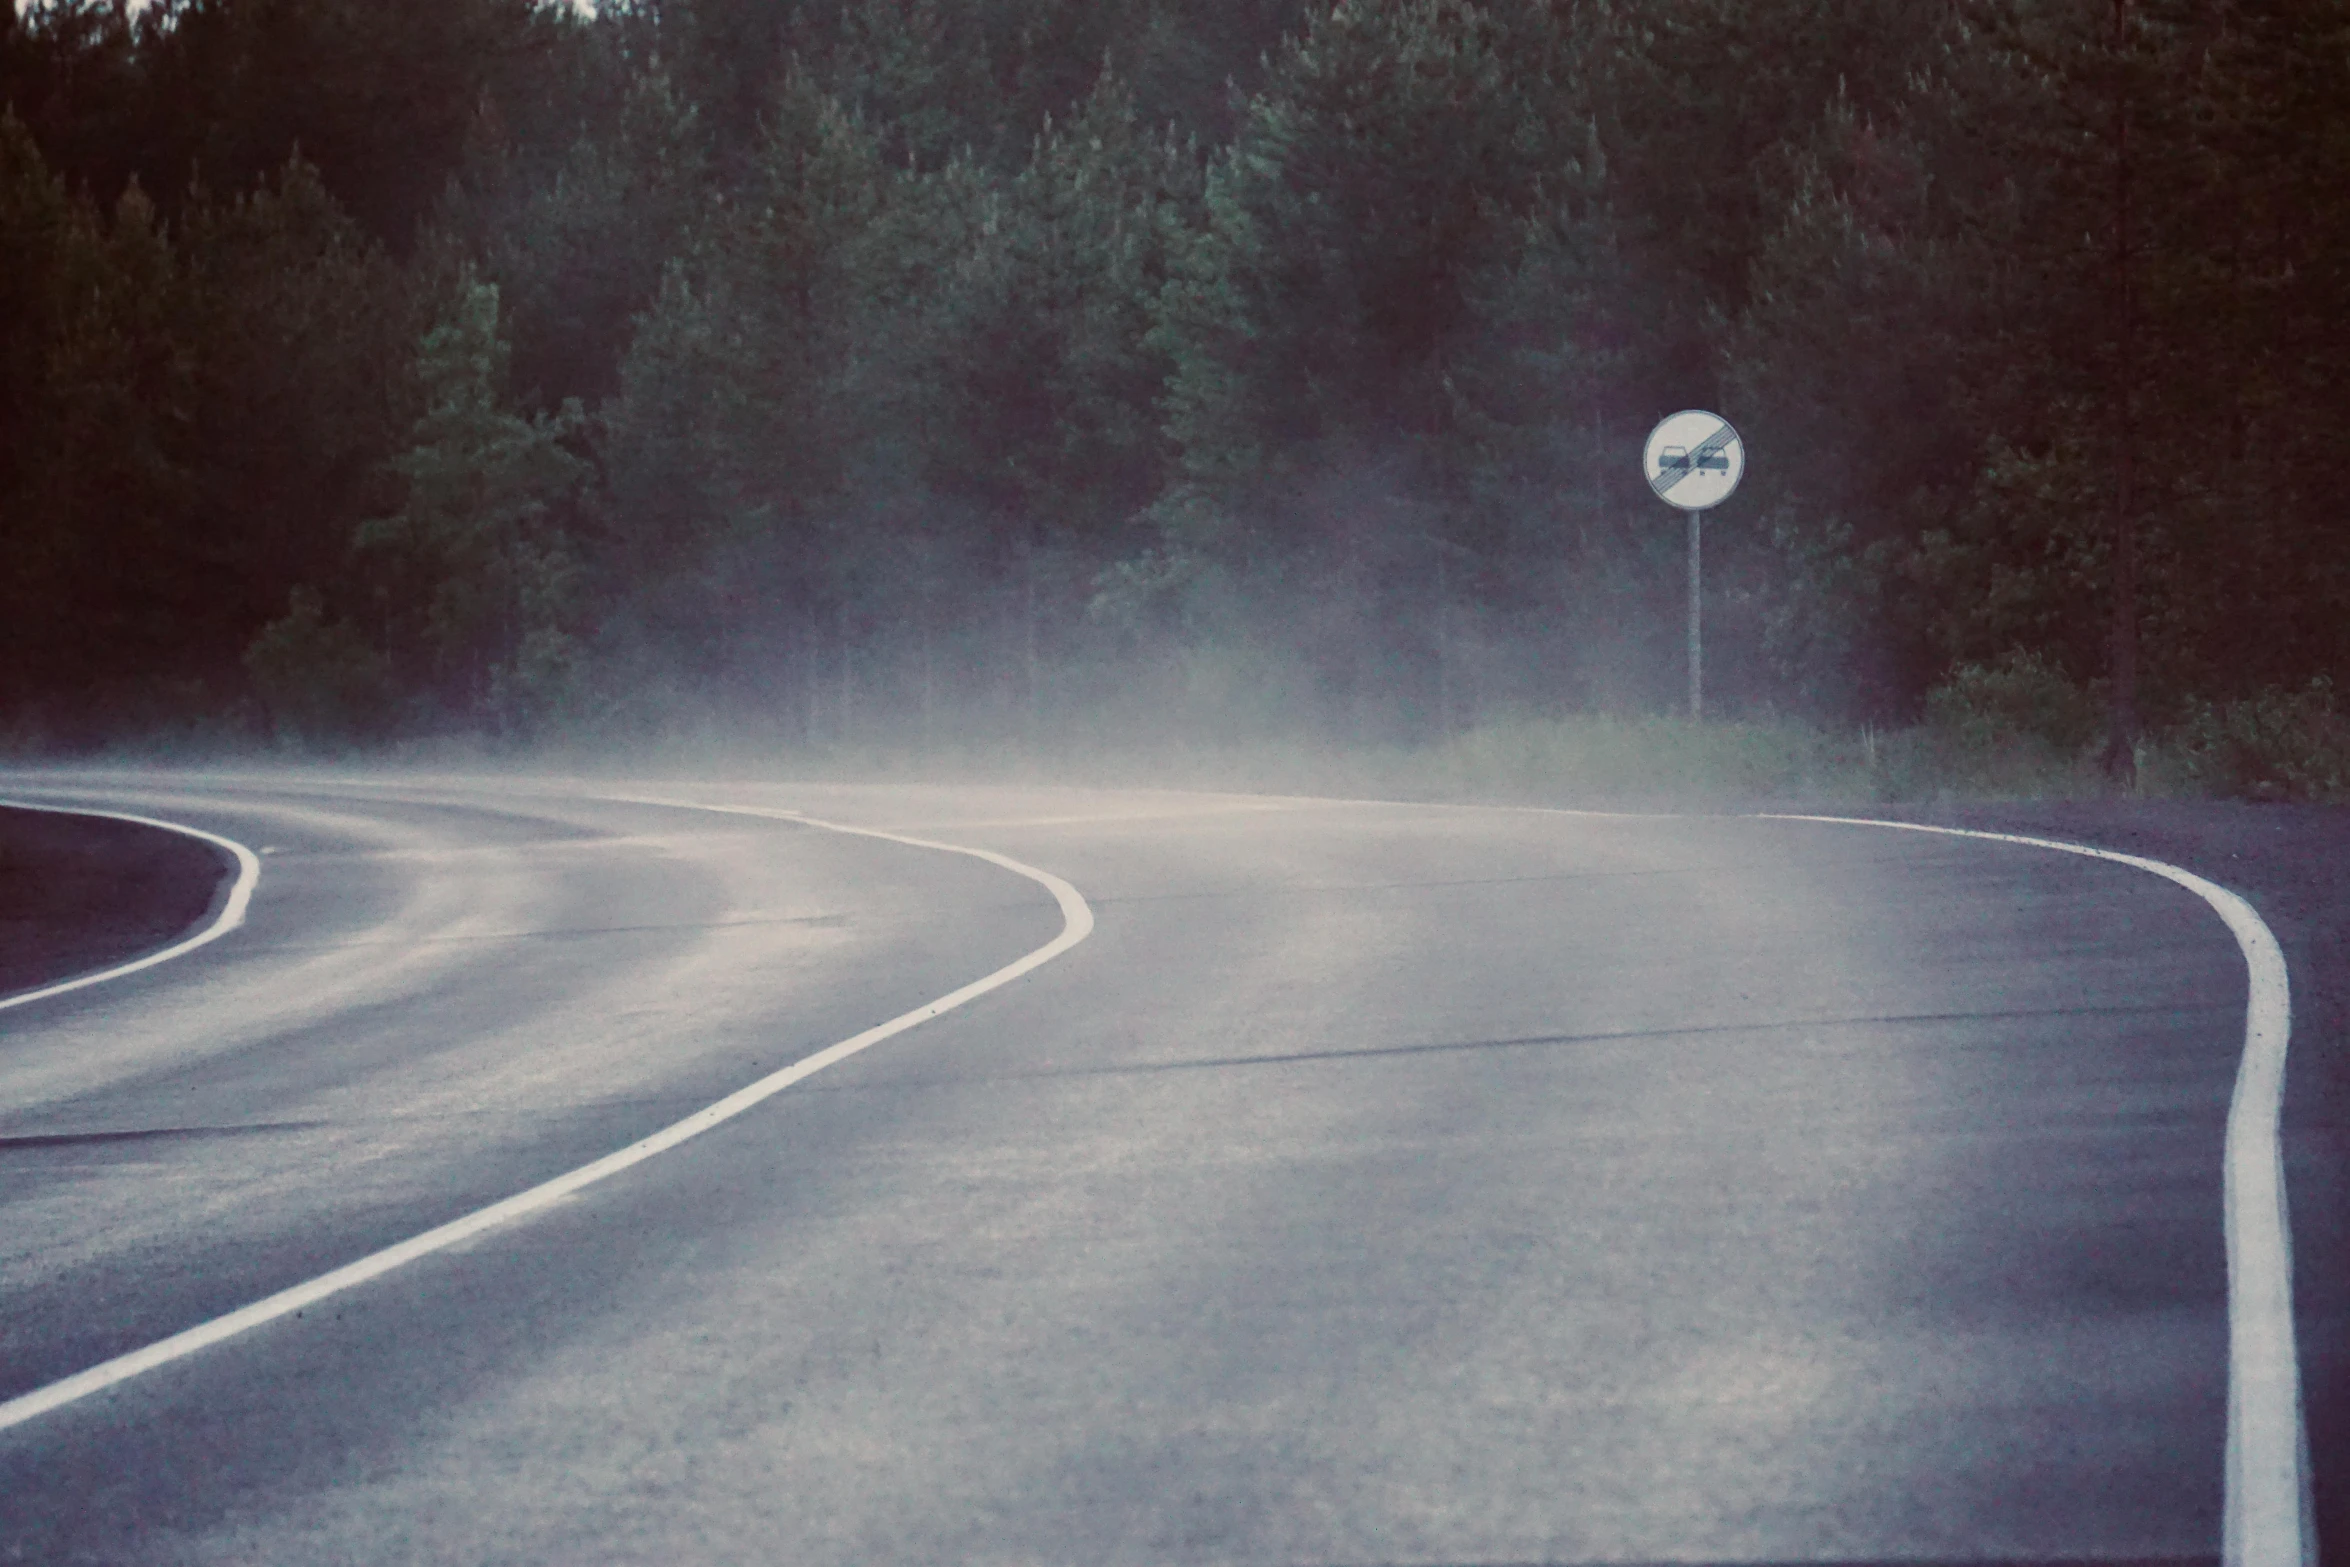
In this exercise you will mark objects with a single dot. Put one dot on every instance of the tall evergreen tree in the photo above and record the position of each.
(577, 245)
(480, 572)
(302, 337)
(739, 412)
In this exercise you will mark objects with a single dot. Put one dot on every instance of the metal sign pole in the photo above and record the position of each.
(1696, 620)
(1693, 460)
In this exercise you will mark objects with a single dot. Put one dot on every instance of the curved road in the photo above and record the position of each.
(1376, 1184)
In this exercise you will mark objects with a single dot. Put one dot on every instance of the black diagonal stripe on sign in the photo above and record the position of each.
(1722, 437)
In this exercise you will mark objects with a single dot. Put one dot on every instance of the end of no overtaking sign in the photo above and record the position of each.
(1694, 460)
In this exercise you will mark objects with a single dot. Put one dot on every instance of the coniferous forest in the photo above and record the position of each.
(827, 368)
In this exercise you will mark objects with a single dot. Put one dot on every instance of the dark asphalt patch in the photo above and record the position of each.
(1515, 1042)
(80, 893)
(150, 1134)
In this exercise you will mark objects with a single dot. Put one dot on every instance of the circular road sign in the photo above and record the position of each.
(1694, 460)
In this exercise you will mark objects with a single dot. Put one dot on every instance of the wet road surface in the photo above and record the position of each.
(1377, 1184)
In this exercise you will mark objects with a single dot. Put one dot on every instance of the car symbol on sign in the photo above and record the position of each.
(1675, 459)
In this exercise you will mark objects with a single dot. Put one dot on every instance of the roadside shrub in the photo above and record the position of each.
(318, 680)
(2022, 700)
(544, 685)
(1650, 761)
(2276, 745)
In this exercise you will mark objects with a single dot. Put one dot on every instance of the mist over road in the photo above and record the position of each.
(1376, 1184)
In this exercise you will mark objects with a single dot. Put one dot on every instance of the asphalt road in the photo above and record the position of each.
(1377, 1184)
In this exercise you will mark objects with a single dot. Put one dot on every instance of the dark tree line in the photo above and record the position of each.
(823, 364)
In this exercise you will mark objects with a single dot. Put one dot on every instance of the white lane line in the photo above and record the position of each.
(1077, 924)
(2267, 1522)
(231, 915)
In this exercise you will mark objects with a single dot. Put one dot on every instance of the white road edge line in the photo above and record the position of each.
(231, 915)
(1077, 924)
(2267, 1520)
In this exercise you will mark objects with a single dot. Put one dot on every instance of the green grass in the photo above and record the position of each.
(1654, 763)
(2295, 746)
(1605, 762)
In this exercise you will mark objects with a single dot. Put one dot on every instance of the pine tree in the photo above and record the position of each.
(1324, 316)
(578, 254)
(481, 567)
(102, 578)
(302, 338)
(744, 401)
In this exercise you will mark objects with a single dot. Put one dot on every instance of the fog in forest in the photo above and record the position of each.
(1053, 377)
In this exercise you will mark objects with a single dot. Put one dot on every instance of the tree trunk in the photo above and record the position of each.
(2121, 742)
(847, 687)
(1035, 683)
(929, 671)
(1443, 644)
(809, 695)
